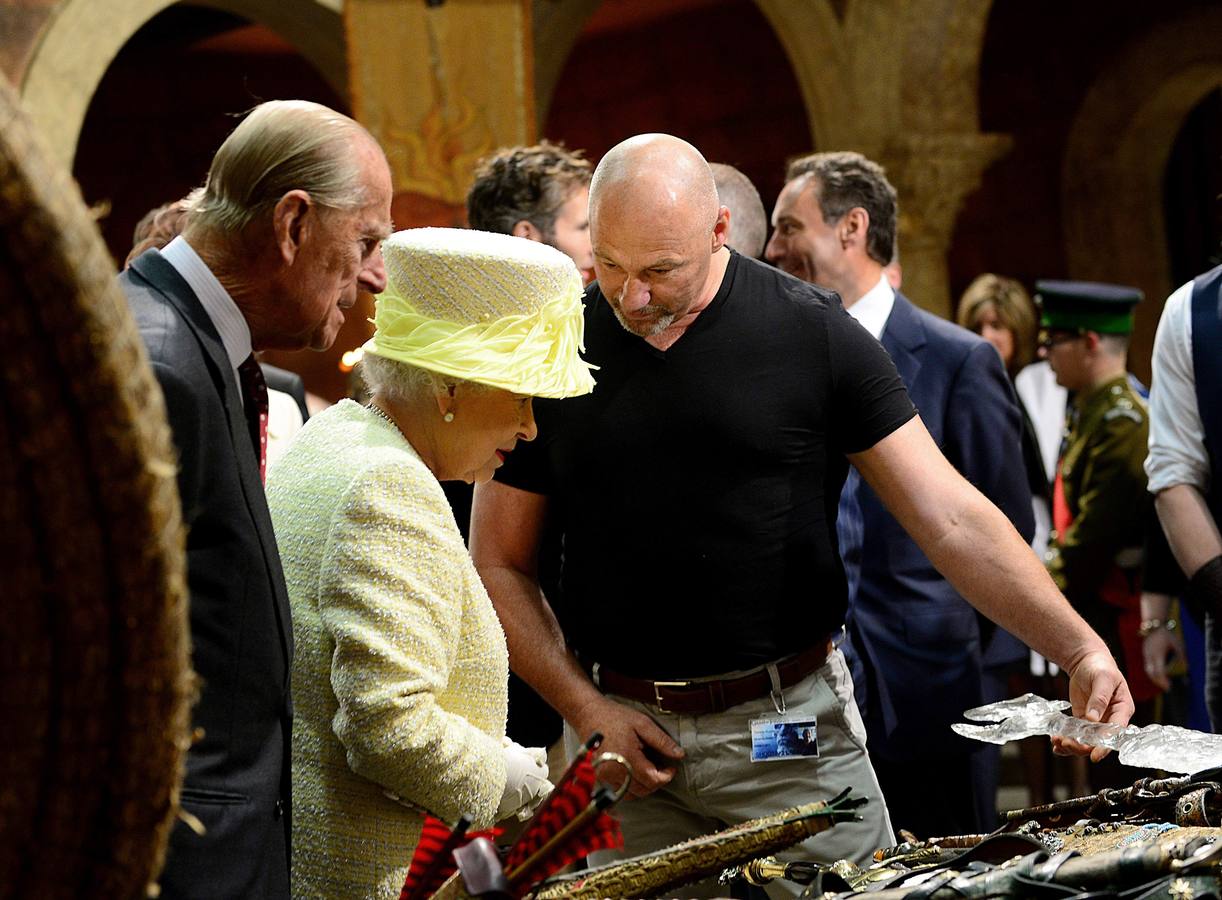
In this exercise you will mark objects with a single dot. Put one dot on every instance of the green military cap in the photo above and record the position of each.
(1087, 305)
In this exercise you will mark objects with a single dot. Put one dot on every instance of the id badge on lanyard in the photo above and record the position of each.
(783, 736)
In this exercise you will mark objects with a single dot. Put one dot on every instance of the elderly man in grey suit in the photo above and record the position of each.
(278, 243)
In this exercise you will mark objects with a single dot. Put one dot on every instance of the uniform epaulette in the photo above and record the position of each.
(1124, 409)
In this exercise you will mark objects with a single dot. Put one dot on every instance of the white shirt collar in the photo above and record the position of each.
(224, 313)
(874, 307)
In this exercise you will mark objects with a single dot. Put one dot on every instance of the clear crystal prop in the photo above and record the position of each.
(1165, 747)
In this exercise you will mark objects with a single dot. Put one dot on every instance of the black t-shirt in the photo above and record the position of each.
(697, 487)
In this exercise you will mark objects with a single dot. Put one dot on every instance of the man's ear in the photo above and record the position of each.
(526, 229)
(292, 218)
(1093, 340)
(721, 228)
(854, 227)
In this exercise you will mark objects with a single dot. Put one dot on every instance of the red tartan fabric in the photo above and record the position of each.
(431, 866)
(562, 805)
(601, 833)
(568, 800)
(433, 861)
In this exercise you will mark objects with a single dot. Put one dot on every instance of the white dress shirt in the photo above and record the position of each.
(1177, 438)
(873, 308)
(283, 423)
(228, 320)
(1045, 402)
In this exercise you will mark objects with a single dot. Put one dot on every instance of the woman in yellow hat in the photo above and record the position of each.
(400, 669)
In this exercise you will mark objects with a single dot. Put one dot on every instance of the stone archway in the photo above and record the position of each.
(1112, 180)
(868, 69)
(555, 27)
(894, 79)
(927, 128)
(819, 54)
(809, 32)
(84, 37)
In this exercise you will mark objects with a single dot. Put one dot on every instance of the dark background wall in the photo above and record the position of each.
(167, 102)
(711, 72)
(1192, 188)
(1039, 60)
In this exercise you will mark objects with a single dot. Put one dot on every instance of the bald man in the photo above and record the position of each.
(697, 490)
(748, 225)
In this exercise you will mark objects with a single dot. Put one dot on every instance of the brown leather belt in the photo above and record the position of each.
(698, 697)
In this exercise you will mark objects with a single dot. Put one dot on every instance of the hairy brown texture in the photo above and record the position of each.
(95, 681)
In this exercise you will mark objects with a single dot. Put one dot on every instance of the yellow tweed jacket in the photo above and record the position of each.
(400, 669)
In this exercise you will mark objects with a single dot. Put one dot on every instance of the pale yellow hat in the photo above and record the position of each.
(491, 308)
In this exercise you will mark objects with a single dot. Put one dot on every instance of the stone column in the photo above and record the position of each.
(934, 174)
(440, 85)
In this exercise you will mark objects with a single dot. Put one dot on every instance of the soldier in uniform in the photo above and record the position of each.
(1100, 506)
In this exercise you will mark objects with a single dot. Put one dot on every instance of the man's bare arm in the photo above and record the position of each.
(978, 551)
(1190, 528)
(506, 526)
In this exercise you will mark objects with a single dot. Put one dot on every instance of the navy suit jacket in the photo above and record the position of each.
(915, 642)
(237, 781)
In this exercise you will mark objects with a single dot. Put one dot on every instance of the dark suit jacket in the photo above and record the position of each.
(237, 780)
(287, 382)
(917, 643)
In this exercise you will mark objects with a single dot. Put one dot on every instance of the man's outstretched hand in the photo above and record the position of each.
(1097, 693)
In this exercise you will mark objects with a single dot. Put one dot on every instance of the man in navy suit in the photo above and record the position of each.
(914, 643)
(285, 232)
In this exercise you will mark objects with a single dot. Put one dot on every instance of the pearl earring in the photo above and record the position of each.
(449, 417)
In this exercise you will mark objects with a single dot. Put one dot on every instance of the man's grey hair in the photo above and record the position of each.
(281, 146)
(405, 383)
(748, 221)
(844, 180)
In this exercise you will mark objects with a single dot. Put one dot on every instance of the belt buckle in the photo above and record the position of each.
(657, 694)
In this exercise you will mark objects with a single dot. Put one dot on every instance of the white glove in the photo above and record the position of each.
(526, 781)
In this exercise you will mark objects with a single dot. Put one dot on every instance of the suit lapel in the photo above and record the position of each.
(904, 338)
(154, 269)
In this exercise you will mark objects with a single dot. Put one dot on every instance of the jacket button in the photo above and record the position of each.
(279, 810)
